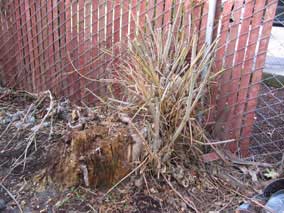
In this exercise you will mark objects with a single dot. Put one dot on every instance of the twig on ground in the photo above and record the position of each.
(219, 142)
(91, 207)
(188, 202)
(33, 135)
(88, 190)
(281, 167)
(247, 198)
(10, 141)
(51, 131)
(146, 183)
(128, 175)
(6, 129)
(226, 205)
(251, 163)
(13, 197)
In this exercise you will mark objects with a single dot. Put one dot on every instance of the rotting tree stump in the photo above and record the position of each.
(96, 157)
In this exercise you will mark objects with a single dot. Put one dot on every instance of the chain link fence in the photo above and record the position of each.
(58, 44)
(267, 140)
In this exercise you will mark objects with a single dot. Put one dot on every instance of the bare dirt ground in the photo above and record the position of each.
(31, 143)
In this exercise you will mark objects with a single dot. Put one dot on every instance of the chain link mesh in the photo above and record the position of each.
(43, 41)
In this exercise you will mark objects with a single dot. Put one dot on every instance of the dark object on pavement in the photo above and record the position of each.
(272, 198)
(273, 187)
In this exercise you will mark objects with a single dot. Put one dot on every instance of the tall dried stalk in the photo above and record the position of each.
(163, 86)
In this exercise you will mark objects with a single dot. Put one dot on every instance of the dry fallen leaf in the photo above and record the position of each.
(74, 115)
(271, 173)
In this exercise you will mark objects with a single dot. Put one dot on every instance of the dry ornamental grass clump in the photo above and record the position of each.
(164, 77)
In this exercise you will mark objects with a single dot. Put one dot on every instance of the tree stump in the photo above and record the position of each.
(97, 157)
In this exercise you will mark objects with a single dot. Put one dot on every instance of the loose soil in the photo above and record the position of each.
(212, 187)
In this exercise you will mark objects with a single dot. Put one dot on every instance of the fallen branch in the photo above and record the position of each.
(33, 135)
